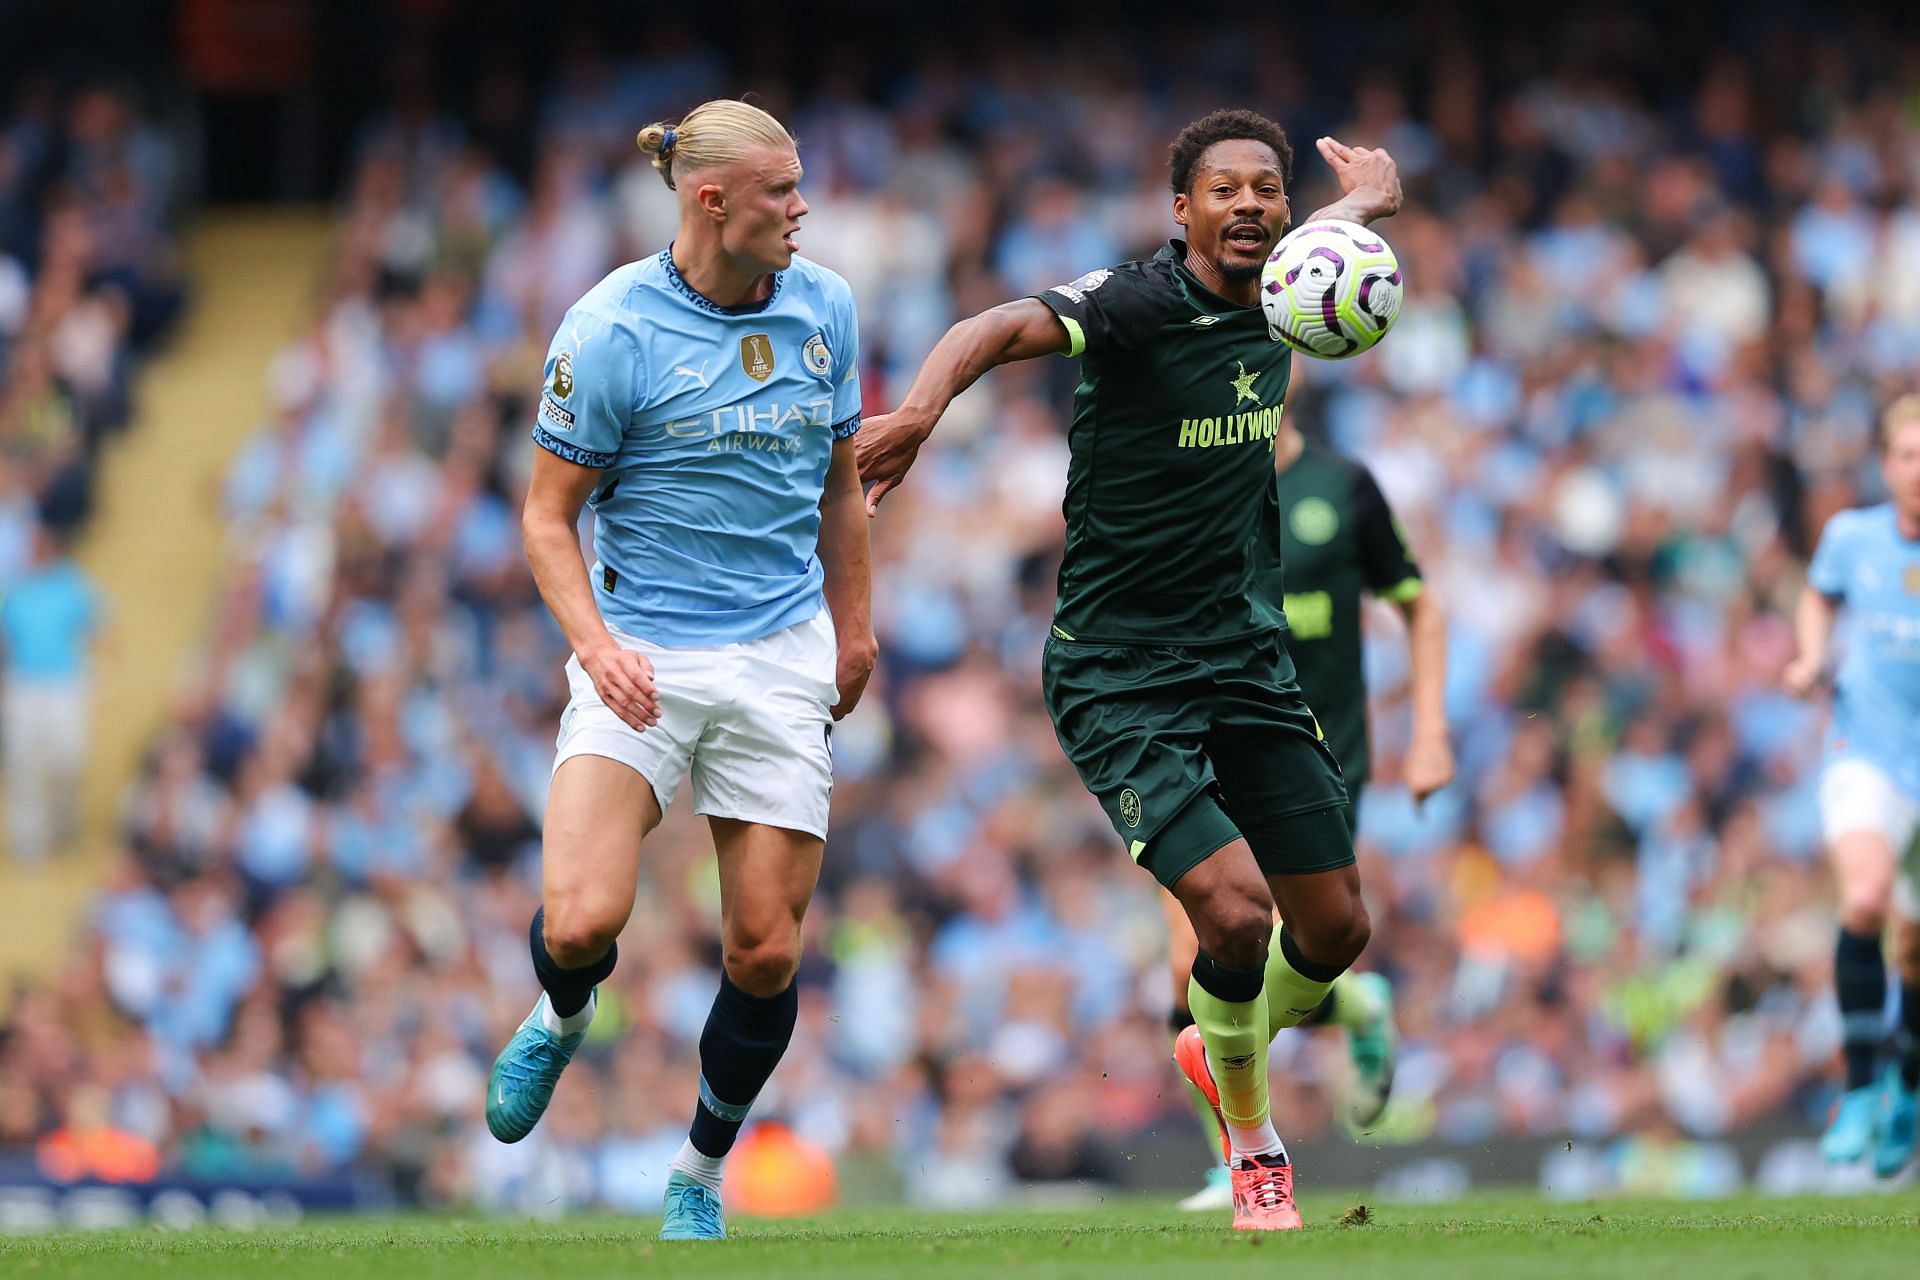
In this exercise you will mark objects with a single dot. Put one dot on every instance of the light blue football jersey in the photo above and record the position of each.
(712, 427)
(1866, 565)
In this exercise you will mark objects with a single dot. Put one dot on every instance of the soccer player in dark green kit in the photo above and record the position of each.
(1165, 674)
(1338, 542)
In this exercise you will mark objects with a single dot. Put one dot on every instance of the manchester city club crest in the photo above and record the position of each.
(1130, 807)
(819, 360)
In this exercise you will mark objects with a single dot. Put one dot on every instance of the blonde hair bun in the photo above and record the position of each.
(713, 133)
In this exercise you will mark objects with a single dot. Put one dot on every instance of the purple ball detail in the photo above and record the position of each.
(1329, 315)
(1321, 251)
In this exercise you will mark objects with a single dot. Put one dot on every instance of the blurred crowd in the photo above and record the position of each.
(89, 284)
(1652, 311)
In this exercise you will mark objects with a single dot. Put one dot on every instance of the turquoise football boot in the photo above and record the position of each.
(1854, 1121)
(1374, 1047)
(1894, 1146)
(692, 1211)
(521, 1082)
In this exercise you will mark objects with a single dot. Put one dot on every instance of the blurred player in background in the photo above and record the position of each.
(703, 403)
(1165, 674)
(1338, 541)
(1868, 561)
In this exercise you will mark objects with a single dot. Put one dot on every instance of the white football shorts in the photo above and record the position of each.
(751, 722)
(1857, 795)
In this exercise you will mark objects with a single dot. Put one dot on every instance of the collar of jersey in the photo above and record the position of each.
(705, 303)
(1175, 252)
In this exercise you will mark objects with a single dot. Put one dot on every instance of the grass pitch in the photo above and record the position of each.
(1484, 1238)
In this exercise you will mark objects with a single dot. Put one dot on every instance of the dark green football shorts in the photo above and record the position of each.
(1191, 747)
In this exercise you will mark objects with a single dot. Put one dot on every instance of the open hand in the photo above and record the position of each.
(852, 671)
(1365, 172)
(624, 681)
(1428, 767)
(1801, 676)
(885, 449)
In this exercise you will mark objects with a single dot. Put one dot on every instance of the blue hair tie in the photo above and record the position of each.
(667, 140)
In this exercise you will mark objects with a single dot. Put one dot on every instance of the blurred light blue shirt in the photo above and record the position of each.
(47, 622)
(1867, 566)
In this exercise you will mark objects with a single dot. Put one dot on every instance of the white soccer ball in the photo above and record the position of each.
(1331, 289)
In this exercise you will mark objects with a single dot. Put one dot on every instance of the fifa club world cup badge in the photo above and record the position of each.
(756, 356)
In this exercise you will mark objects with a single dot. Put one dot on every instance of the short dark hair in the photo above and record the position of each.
(1229, 125)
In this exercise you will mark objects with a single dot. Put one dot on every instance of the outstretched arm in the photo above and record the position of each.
(1813, 631)
(1369, 183)
(844, 560)
(1429, 763)
(1018, 330)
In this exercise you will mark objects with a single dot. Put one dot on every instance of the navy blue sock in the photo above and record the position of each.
(744, 1040)
(567, 989)
(1860, 982)
(1910, 1034)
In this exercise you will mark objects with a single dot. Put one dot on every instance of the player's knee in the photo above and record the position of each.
(1335, 935)
(1863, 904)
(1359, 932)
(1237, 930)
(763, 965)
(578, 933)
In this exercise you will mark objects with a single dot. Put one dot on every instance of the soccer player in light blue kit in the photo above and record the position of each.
(703, 402)
(1869, 561)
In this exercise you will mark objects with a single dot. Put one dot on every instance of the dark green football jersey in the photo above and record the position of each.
(1338, 539)
(1170, 501)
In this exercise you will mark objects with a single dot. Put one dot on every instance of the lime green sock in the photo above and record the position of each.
(1353, 1004)
(1291, 995)
(1234, 1033)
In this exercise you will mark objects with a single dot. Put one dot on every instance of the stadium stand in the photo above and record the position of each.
(1653, 309)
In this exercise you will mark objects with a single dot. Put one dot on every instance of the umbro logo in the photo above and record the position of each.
(1201, 322)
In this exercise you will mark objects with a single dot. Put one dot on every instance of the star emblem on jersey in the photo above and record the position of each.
(756, 356)
(1243, 385)
(563, 375)
(1130, 807)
